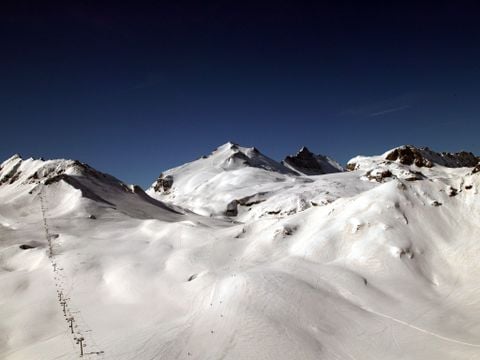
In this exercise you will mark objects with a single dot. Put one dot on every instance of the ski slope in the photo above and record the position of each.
(376, 263)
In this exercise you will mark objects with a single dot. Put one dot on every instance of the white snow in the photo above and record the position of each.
(338, 266)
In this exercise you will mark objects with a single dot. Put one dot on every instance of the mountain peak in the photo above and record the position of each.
(304, 151)
(424, 157)
(404, 161)
(17, 171)
(307, 163)
(12, 158)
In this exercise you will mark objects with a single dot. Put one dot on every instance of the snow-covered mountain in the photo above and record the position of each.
(243, 183)
(75, 182)
(240, 257)
(304, 162)
(420, 157)
(411, 163)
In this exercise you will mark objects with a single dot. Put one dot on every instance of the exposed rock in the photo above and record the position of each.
(409, 155)
(452, 191)
(192, 277)
(26, 247)
(252, 199)
(476, 169)
(237, 159)
(33, 177)
(164, 183)
(414, 176)
(55, 179)
(232, 208)
(378, 175)
(406, 252)
(424, 157)
(307, 163)
(351, 166)
(287, 230)
(30, 245)
(15, 177)
(13, 174)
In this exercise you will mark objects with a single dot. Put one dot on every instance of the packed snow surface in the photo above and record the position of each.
(236, 256)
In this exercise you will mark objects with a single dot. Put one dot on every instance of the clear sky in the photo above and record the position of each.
(134, 88)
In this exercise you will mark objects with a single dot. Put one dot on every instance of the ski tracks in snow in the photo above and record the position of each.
(404, 323)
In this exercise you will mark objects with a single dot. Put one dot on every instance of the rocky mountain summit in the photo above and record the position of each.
(424, 157)
(304, 162)
(419, 157)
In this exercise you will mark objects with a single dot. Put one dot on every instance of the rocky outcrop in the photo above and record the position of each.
(163, 183)
(305, 162)
(424, 157)
(476, 169)
(409, 155)
(10, 170)
(351, 166)
(378, 175)
(232, 207)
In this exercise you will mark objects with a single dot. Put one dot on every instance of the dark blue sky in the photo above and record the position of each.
(134, 89)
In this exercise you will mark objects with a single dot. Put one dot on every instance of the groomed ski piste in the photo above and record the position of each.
(238, 256)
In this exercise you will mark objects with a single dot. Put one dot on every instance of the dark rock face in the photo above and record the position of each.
(379, 175)
(241, 158)
(306, 162)
(424, 157)
(164, 183)
(414, 176)
(30, 245)
(476, 169)
(12, 175)
(452, 191)
(232, 208)
(351, 167)
(463, 158)
(409, 156)
(192, 277)
(26, 247)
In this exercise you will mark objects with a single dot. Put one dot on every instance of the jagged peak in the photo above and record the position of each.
(233, 147)
(305, 162)
(229, 145)
(304, 151)
(12, 158)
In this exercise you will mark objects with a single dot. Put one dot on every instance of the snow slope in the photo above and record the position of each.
(384, 268)
(243, 181)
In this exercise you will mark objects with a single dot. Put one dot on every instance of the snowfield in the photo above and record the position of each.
(238, 256)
